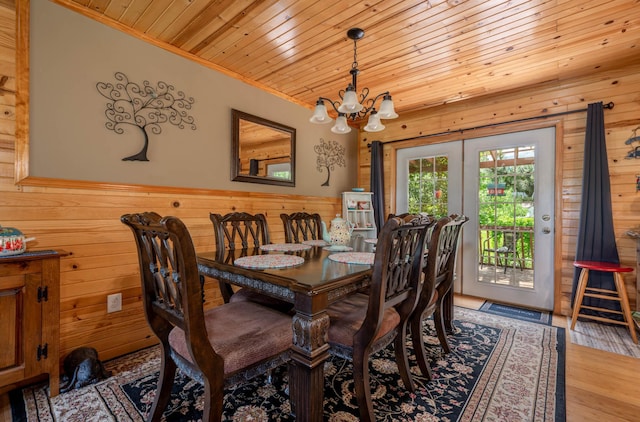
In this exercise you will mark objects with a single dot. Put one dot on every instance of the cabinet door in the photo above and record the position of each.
(20, 319)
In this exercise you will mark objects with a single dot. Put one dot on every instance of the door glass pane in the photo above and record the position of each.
(428, 185)
(505, 203)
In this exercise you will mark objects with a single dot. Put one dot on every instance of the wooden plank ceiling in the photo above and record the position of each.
(426, 53)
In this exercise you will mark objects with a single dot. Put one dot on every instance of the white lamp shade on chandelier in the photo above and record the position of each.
(320, 115)
(374, 124)
(341, 125)
(350, 102)
(352, 108)
(387, 110)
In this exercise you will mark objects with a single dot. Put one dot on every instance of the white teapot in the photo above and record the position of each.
(340, 232)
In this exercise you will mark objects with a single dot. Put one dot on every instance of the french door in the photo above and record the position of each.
(505, 184)
(509, 185)
(429, 179)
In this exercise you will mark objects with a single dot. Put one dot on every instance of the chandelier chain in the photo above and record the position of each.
(354, 65)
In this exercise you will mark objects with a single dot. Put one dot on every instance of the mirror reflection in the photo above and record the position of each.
(263, 151)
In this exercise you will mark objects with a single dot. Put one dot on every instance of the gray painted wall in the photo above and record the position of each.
(71, 53)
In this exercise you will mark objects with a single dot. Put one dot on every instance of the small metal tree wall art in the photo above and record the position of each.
(145, 107)
(635, 152)
(330, 154)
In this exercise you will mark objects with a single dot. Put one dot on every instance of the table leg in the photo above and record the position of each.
(306, 370)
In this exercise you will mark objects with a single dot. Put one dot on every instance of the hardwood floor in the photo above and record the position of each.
(600, 386)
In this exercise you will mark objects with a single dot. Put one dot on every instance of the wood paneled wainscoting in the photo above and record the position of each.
(618, 85)
(103, 260)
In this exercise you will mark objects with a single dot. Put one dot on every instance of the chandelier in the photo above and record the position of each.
(350, 107)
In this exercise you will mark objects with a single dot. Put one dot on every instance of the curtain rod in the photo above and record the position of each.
(607, 106)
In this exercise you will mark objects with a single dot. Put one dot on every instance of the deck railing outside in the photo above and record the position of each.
(494, 246)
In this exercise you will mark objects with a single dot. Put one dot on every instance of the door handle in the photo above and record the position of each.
(546, 230)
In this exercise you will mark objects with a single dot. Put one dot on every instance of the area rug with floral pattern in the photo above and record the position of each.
(500, 369)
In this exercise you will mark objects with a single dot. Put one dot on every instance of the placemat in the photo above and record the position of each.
(261, 262)
(363, 258)
(285, 247)
(318, 242)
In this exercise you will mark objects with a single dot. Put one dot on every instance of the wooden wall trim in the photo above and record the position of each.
(390, 154)
(21, 170)
(491, 126)
(557, 223)
(133, 188)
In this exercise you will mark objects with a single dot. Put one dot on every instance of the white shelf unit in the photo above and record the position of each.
(358, 209)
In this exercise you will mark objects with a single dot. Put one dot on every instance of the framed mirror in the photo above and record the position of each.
(263, 151)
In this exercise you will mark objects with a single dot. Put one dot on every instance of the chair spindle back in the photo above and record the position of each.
(171, 288)
(301, 226)
(239, 230)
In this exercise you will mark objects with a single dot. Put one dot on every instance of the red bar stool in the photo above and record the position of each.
(620, 294)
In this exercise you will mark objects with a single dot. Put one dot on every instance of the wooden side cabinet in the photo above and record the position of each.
(30, 317)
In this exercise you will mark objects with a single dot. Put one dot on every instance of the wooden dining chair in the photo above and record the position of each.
(301, 226)
(425, 219)
(225, 344)
(407, 216)
(446, 290)
(362, 324)
(439, 274)
(242, 231)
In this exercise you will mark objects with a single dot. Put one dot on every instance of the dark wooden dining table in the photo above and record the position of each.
(311, 287)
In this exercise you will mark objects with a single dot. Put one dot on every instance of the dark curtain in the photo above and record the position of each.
(377, 183)
(596, 239)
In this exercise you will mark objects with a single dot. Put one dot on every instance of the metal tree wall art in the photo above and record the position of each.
(145, 107)
(330, 154)
(634, 153)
